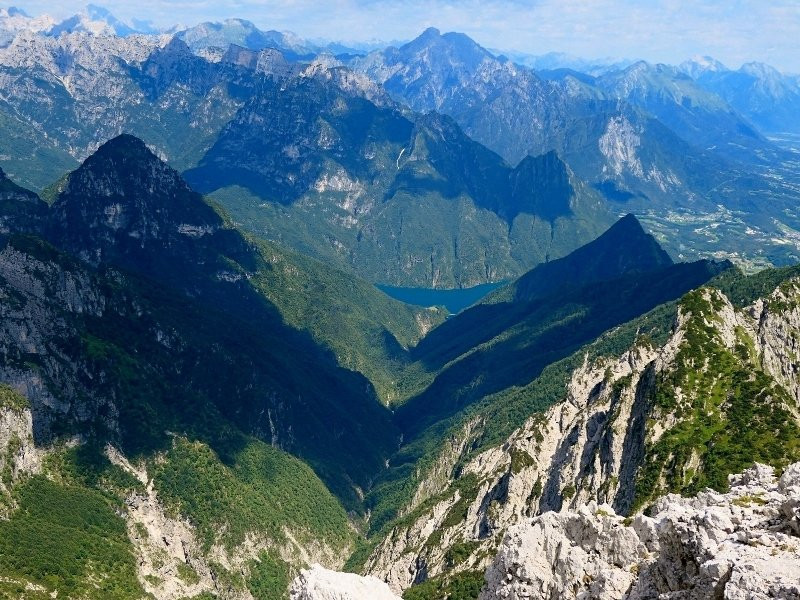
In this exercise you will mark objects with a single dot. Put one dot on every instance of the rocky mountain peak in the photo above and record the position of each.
(624, 248)
(700, 65)
(124, 204)
(15, 19)
(459, 49)
(741, 544)
(760, 70)
(245, 33)
(542, 187)
(176, 48)
(244, 57)
(642, 246)
(175, 62)
(429, 34)
(627, 225)
(126, 163)
(318, 583)
(97, 20)
(630, 243)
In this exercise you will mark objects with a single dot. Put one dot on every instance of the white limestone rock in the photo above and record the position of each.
(586, 448)
(318, 583)
(742, 544)
(569, 554)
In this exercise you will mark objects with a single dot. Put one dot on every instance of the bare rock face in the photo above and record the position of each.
(742, 544)
(590, 550)
(318, 583)
(19, 456)
(588, 448)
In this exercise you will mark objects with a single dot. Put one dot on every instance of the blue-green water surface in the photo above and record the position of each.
(453, 300)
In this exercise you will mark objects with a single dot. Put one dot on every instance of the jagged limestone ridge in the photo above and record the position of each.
(630, 429)
(741, 544)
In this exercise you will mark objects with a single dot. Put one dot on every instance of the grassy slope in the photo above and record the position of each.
(263, 490)
(729, 413)
(64, 532)
(69, 539)
(68, 532)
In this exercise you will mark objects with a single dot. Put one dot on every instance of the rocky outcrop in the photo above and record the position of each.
(40, 300)
(76, 90)
(578, 450)
(777, 340)
(19, 455)
(174, 562)
(533, 471)
(742, 544)
(619, 422)
(170, 560)
(318, 583)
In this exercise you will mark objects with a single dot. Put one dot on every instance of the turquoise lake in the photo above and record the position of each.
(453, 300)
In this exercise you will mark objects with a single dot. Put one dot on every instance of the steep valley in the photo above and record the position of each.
(161, 388)
(211, 384)
(225, 470)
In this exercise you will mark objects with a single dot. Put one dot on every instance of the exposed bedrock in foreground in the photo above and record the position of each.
(744, 544)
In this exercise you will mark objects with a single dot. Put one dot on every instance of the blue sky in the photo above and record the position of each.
(733, 31)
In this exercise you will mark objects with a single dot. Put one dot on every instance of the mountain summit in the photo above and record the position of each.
(124, 205)
(625, 248)
(427, 71)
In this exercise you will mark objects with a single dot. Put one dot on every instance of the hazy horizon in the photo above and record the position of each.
(668, 31)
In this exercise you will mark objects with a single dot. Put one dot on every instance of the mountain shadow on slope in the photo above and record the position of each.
(179, 339)
(288, 137)
(624, 248)
(176, 65)
(278, 143)
(21, 210)
(494, 346)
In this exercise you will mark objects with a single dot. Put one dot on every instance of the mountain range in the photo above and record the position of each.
(94, 20)
(195, 375)
(760, 92)
(205, 393)
(644, 138)
(328, 191)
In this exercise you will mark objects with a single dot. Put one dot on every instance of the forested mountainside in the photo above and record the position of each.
(174, 378)
(204, 393)
(352, 178)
